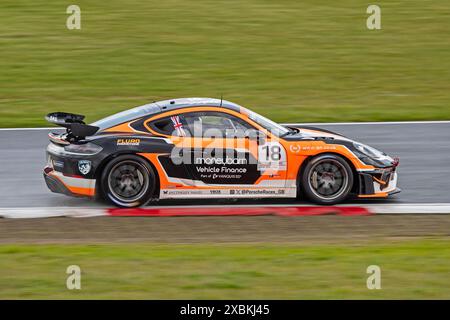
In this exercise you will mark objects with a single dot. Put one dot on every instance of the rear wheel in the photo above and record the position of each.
(128, 181)
(327, 179)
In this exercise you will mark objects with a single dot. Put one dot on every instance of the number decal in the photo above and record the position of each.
(272, 152)
(271, 155)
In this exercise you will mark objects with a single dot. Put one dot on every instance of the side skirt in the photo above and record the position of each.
(228, 193)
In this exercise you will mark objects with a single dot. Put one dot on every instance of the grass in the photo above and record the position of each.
(410, 269)
(289, 60)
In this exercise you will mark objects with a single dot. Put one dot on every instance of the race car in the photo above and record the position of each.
(198, 148)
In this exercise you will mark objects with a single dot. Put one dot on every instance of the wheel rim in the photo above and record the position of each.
(328, 179)
(128, 181)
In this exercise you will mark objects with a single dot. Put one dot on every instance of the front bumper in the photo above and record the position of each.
(379, 183)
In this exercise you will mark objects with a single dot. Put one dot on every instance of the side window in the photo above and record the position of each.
(172, 126)
(164, 126)
(201, 124)
(206, 123)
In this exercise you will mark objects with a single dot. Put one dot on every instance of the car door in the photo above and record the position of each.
(227, 151)
(220, 155)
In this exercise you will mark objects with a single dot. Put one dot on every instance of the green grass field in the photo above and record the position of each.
(410, 269)
(297, 61)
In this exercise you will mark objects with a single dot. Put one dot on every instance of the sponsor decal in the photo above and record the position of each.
(251, 192)
(181, 192)
(58, 164)
(84, 166)
(128, 142)
(326, 147)
(227, 193)
(225, 176)
(220, 161)
(220, 172)
(295, 148)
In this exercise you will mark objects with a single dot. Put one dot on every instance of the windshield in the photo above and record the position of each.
(126, 116)
(275, 128)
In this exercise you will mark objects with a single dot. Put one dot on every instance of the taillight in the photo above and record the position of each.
(84, 149)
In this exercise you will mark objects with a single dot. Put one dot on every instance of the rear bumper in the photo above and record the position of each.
(56, 186)
(76, 187)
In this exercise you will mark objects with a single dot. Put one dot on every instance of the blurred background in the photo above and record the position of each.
(298, 61)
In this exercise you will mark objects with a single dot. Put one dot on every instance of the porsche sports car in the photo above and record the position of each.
(209, 148)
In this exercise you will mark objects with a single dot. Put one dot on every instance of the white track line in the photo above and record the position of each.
(364, 123)
(288, 124)
(409, 208)
(81, 212)
(31, 213)
(30, 129)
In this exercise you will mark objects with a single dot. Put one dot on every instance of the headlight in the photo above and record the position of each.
(83, 149)
(369, 151)
(372, 156)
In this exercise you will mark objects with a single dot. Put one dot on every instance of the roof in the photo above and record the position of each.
(195, 102)
(162, 106)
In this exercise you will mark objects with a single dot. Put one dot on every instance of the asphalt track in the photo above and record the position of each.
(423, 148)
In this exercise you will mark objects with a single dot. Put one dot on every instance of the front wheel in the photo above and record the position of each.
(326, 179)
(128, 181)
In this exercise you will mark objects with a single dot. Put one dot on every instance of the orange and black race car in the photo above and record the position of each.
(209, 148)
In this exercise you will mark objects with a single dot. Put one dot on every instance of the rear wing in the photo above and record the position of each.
(76, 128)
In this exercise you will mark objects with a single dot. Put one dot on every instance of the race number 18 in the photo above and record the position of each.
(271, 155)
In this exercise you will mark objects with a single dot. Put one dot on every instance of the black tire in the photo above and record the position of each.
(326, 179)
(128, 181)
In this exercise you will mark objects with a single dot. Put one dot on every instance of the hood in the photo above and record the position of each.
(314, 133)
(364, 152)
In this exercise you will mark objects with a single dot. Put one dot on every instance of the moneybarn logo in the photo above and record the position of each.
(220, 161)
(213, 147)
